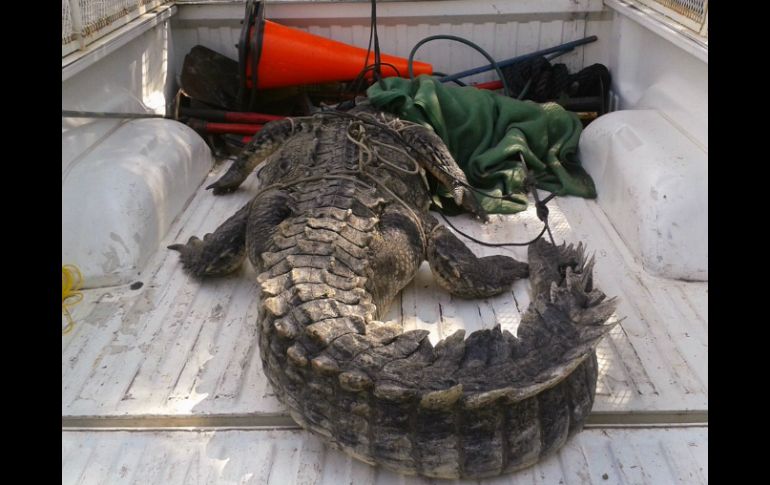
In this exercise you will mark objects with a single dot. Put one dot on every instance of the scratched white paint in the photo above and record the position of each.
(664, 456)
(122, 195)
(182, 347)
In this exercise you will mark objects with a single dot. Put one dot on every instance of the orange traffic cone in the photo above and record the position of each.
(291, 57)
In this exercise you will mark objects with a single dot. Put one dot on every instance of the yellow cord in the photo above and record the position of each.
(71, 280)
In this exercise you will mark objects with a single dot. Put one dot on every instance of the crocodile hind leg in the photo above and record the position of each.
(267, 212)
(248, 230)
(397, 251)
(261, 146)
(460, 272)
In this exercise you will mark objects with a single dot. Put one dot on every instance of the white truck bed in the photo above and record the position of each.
(291, 457)
(177, 355)
(163, 383)
(178, 347)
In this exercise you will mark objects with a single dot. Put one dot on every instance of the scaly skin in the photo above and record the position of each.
(335, 235)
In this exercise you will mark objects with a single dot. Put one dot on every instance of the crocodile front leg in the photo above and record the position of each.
(435, 158)
(261, 146)
(248, 230)
(460, 272)
(219, 253)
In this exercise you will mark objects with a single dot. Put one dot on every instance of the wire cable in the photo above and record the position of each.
(478, 48)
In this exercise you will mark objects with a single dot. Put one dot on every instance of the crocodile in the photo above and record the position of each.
(339, 226)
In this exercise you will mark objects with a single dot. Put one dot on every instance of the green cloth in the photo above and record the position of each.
(485, 132)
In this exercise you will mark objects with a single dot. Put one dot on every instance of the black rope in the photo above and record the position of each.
(356, 84)
(376, 68)
(493, 245)
(541, 210)
(477, 47)
(538, 80)
(368, 46)
(256, 51)
(377, 57)
(243, 49)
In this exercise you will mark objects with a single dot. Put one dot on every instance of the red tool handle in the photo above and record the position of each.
(228, 116)
(260, 118)
(208, 127)
(237, 139)
(490, 85)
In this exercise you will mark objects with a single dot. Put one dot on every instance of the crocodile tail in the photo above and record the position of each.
(477, 407)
